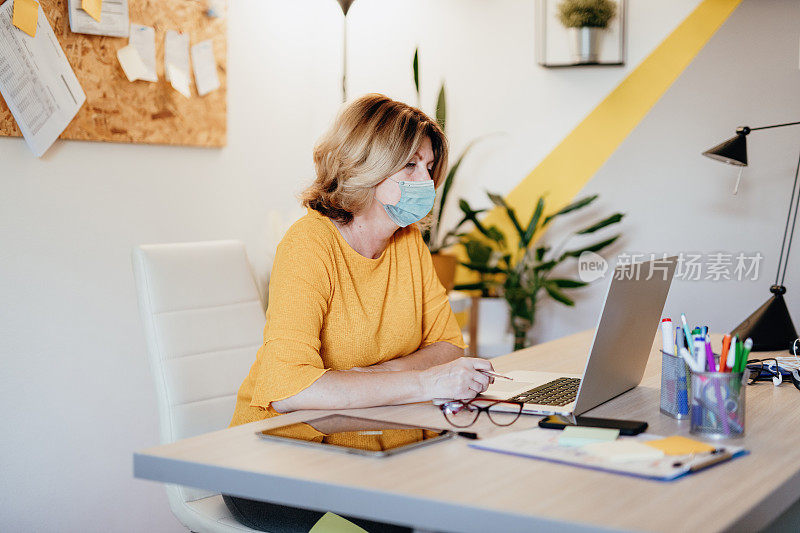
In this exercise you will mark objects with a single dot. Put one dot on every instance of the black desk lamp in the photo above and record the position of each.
(770, 326)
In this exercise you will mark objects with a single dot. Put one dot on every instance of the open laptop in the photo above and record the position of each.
(619, 353)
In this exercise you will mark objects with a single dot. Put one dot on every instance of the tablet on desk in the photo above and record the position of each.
(362, 436)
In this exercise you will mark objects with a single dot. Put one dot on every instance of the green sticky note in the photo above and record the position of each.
(579, 436)
(333, 523)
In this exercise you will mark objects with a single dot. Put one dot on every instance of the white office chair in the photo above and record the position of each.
(203, 318)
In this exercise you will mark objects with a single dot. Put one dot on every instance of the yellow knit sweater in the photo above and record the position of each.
(332, 308)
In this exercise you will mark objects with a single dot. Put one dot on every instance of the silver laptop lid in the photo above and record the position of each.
(625, 331)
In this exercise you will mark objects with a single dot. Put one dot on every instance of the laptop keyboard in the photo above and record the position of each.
(559, 392)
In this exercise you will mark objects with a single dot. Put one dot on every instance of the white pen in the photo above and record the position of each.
(691, 361)
(700, 353)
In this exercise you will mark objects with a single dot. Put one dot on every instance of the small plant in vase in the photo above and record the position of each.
(523, 273)
(586, 20)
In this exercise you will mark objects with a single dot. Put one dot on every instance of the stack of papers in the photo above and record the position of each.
(647, 456)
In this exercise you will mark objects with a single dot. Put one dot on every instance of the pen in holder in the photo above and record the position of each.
(675, 383)
(718, 404)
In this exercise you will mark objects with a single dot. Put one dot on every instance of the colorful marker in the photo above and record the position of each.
(723, 356)
(748, 345)
(710, 362)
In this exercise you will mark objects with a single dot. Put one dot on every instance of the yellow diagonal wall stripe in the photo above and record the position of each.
(564, 172)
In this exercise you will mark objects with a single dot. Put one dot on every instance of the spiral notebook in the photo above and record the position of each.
(538, 443)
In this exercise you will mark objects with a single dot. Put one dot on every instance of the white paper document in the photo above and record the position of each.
(114, 21)
(131, 63)
(36, 81)
(143, 38)
(205, 67)
(179, 80)
(176, 61)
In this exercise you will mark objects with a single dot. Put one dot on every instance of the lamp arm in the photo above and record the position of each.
(794, 203)
(774, 126)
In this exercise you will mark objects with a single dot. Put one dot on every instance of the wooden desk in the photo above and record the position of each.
(450, 487)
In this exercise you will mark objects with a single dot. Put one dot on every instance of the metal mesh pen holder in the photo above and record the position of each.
(718, 404)
(676, 378)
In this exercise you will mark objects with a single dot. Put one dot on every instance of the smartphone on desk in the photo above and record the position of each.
(625, 427)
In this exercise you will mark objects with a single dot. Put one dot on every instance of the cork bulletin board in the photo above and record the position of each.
(117, 110)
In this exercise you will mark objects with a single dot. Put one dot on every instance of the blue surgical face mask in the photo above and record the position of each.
(416, 201)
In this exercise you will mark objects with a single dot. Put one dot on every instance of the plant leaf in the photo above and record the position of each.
(549, 265)
(485, 269)
(495, 234)
(415, 66)
(574, 206)
(478, 252)
(613, 219)
(540, 251)
(470, 214)
(499, 201)
(528, 235)
(448, 181)
(479, 286)
(441, 108)
(563, 283)
(596, 247)
(557, 295)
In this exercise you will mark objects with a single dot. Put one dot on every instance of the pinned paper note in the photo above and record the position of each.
(678, 445)
(113, 20)
(176, 61)
(179, 80)
(205, 67)
(93, 7)
(131, 63)
(579, 436)
(26, 16)
(623, 451)
(143, 39)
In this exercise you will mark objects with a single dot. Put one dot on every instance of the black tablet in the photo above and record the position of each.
(362, 436)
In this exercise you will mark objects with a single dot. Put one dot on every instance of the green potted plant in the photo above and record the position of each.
(522, 273)
(586, 20)
(437, 242)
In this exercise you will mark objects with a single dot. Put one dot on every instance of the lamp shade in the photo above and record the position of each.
(733, 151)
(345, 5)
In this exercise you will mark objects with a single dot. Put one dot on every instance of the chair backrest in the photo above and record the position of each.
(203, 320)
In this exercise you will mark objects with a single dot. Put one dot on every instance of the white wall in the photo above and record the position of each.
(75, 390)
(680, 202)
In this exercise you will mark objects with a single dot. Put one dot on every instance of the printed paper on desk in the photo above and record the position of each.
(37, 82)
(143, 38)
(205, 67)
(131, 63)
(26, 15)
(113, 22)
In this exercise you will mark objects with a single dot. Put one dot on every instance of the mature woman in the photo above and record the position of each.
(357, 316)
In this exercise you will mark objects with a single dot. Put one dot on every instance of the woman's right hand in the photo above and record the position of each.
(459, 379)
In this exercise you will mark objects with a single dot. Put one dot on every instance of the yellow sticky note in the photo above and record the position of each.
(678, 445)
(333, 523)
(93, 7)
(26, 16)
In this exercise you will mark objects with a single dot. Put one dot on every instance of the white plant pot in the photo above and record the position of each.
(495, 337)
(586, 44)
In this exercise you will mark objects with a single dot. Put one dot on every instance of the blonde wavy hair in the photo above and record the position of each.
(373, 138)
